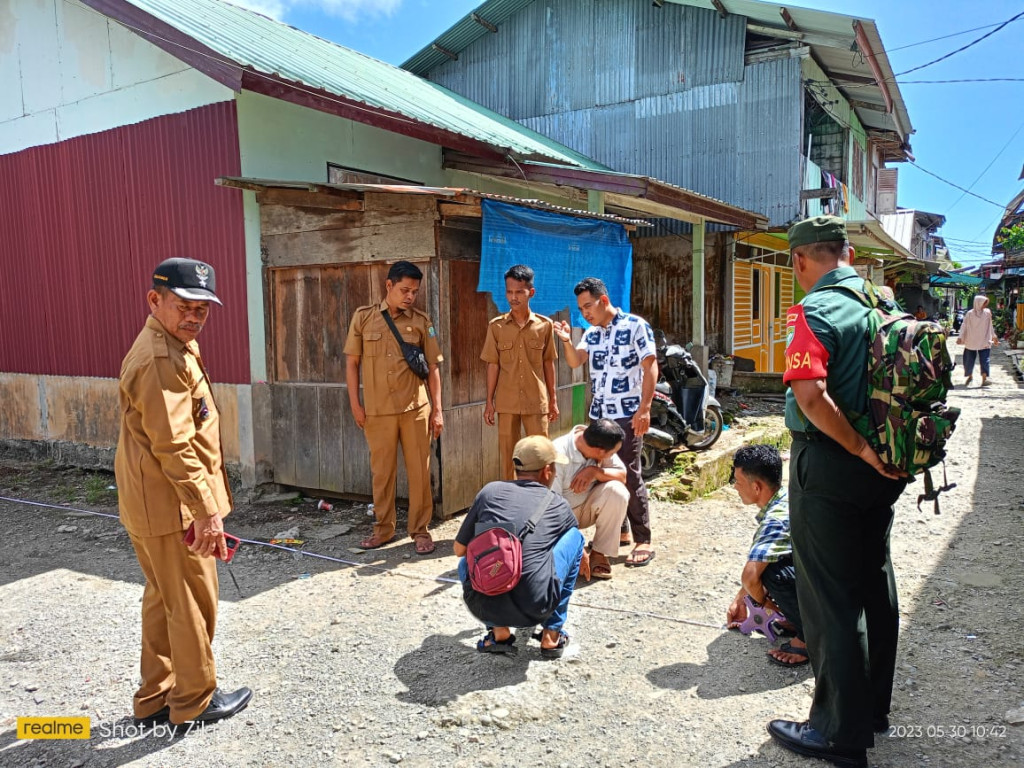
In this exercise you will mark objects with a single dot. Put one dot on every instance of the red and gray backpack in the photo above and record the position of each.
(494, 556)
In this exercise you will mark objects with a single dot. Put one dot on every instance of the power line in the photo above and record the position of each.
(998, 155)
(943, 37)
(891, 80)
(957, 186)
(962, 80)
(962, 48)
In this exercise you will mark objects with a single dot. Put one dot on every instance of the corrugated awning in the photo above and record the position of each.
(625, 193)
(455, 195)
(866, 236)
(956, 281)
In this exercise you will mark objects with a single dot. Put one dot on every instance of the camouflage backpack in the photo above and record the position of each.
(909, 375)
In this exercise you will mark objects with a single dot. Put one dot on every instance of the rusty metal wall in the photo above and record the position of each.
(84, 221)
(662, 287)
(661, 92)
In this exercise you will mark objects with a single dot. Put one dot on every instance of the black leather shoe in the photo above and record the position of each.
(223, 705)
(804, 740)
(159, 717)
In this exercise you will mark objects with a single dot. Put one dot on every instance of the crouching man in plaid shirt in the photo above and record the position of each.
(769, 576)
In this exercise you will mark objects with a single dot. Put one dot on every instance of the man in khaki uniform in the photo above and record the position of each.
(395, 407)
(519, 350)
(170, 474)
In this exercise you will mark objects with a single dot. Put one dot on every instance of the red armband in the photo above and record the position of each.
(806, 358)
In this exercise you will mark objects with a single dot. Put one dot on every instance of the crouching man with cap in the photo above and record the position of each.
(170, 474)
(551, 552)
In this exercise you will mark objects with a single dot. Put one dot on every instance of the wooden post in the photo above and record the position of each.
(698, 284)
(595, 201)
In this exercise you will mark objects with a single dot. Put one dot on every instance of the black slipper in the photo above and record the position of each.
(790, 648)
(641, 563)
(558, 650)
(488, 644)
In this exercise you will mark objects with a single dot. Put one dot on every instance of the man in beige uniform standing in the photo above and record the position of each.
(395, 408)
(520, 353)
(170, 474)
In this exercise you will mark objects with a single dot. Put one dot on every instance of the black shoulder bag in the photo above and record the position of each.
(413, 355)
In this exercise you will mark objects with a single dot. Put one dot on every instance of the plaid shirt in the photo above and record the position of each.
(771, 541)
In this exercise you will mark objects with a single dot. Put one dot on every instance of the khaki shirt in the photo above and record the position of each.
(520, 354)
(389, 385)
(169, 466)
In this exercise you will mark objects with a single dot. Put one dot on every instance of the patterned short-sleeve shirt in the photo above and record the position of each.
(771, 540)
(615, 353)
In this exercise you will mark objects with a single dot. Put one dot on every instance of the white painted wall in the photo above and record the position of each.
(66, 70)
(283, 141)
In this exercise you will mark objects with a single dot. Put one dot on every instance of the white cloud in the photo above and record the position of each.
(349, 10)
(275, 9)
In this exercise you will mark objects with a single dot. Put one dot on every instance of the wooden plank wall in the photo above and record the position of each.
(318, 273)
(469, 447)
(325, 258)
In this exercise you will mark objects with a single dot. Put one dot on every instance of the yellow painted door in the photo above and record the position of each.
(782, 300)
(761, 315)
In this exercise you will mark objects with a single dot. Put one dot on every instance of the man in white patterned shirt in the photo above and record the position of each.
(623, 371)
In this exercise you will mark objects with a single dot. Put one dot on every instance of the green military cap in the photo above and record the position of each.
(817, 229)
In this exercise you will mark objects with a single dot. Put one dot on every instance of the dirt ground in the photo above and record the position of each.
(371, 662)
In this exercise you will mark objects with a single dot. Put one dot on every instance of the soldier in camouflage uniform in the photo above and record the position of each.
(841, 500)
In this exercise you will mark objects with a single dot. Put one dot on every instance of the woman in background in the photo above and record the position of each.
(977, 336)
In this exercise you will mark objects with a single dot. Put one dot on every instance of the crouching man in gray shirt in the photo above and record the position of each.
(551, 553)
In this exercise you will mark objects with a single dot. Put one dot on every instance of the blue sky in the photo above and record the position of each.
(960, 127)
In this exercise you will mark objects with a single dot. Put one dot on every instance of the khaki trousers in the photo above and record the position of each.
(604, 507)
(179, 614)
(509, 427)
(384, 434)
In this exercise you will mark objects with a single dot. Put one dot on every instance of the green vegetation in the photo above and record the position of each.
(97, 490)
(1012, 238)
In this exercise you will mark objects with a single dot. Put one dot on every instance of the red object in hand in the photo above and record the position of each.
(230, 542)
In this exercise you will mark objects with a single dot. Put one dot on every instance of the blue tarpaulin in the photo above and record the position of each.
(562, 250)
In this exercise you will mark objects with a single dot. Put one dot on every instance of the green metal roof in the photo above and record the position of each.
(262, 45)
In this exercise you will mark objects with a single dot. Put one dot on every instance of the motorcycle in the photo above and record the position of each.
(684, 412)
(958, 320)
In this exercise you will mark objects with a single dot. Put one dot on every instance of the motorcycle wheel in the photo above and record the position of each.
(650, 458)
(713, 423)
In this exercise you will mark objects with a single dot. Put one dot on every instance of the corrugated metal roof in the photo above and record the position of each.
(260, 44)
(830, 35)
(900, 226)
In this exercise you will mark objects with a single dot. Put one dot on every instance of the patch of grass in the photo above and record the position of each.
(96, 490)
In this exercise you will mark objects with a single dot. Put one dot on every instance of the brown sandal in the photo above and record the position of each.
(600, 566)
(373, 542)
(421, 547)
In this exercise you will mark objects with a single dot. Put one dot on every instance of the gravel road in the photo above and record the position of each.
(371, 662)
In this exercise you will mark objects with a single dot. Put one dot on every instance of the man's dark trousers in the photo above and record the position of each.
(779, 581)
(638, 512)
(840, 512)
